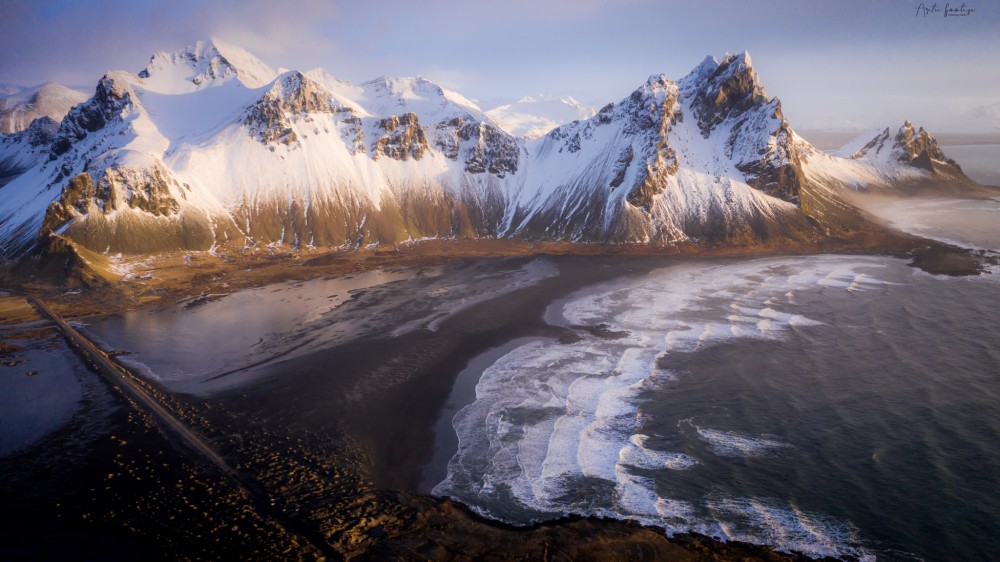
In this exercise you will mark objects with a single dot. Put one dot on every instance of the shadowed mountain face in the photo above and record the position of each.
(208, 147)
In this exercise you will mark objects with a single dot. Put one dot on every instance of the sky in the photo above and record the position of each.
(837, 64)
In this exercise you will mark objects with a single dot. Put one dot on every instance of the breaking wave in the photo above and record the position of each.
(558, 428)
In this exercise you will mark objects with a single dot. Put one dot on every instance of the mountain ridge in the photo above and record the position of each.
(196, 153)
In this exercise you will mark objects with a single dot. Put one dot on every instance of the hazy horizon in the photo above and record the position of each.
(847, 66)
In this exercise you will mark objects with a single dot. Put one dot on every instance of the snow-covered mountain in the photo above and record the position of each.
(207, 148)
(20, 106)
(204, 64)
(534, 116)
(904, 161)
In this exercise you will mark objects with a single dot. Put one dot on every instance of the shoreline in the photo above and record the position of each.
(401, 523)
(150, 282)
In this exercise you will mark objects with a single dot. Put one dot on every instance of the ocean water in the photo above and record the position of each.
(980, 162)
(841, 406)
(960, 222)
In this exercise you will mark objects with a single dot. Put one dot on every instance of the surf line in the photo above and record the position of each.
(124, 380)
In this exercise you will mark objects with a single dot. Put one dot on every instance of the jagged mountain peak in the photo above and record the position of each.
(658, 86)
(203, 64)
(906, 144)
(730, 87)
(113, 98)
(648, 107)
(296, 92)
(913, 142)
(914, 147)
(290, 95)
(739, 58)
(702, 72)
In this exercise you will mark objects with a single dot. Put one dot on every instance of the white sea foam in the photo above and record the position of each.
(765, 521)
(636, 454)
(732, 444)
(550, 417)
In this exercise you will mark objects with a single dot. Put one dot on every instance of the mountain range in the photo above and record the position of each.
(209, 148)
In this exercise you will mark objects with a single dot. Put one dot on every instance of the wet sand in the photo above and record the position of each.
(387, 391)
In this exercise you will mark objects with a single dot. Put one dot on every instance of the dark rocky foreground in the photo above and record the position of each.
(112, 485)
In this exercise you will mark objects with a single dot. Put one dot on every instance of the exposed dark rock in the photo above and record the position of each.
(493, 150)
(74, 200)
(776, 167)
(26, 148)
(606, 114)
(914, 143)
(146, 190)
(650, 112)
(923, 161)
(292, 96)
(621, 166)
(730, 90)
(447, 139)
(404, 138)
(914, 147)
(355, 134)
(645, 111)
(110, 99)
(41, 131)
(653, 181)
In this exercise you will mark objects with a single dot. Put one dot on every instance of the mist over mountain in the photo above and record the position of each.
(20, 106)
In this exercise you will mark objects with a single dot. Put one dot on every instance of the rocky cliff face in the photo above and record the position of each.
(724, 90)
(111, 99)
(292, 97)
(760, 141)
(490, 150)
(919, 148)
(402, 138)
